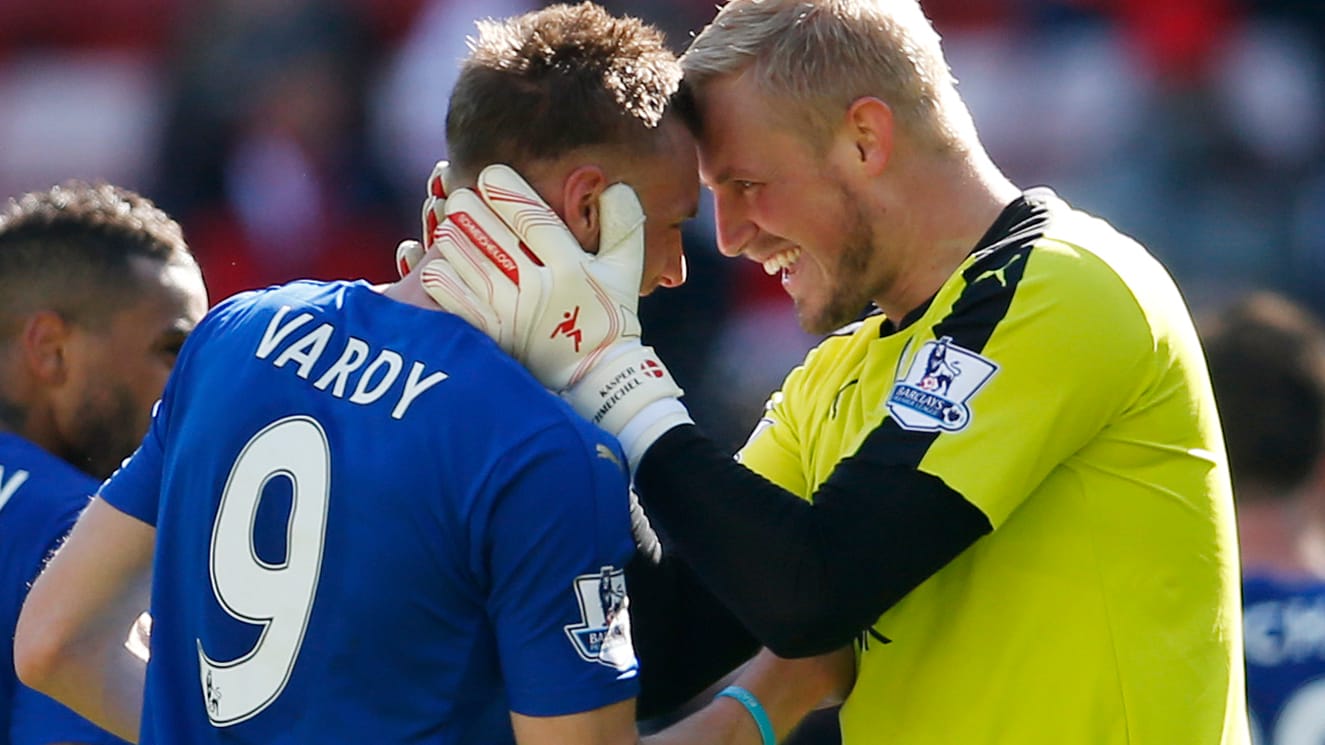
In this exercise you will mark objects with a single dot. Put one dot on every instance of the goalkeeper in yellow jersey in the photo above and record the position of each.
(1003, 488)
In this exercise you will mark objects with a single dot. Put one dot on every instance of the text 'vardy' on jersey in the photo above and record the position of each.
(372, 379)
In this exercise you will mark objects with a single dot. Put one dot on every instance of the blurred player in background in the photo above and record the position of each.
(1267, 362)
(361, 521)
(97, 293)
(1005, 486)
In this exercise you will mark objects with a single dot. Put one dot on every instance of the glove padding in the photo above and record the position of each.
(410, 252)
(511, 268)
(559, 308)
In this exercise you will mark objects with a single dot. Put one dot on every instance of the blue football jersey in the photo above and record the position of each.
(372, 526)
(40, 498)
(1284, 625)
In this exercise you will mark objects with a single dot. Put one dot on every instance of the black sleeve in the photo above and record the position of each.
(804, 577)
(684, 638)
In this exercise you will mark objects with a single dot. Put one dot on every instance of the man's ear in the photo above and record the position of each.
(580, 192)
(869, 123)
(44, 339)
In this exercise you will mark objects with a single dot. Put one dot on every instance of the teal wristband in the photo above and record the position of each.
(756, 709)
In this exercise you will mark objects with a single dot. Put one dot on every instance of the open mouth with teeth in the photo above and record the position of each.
(782, 260)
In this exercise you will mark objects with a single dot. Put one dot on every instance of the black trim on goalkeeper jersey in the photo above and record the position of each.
(807, 577)
(1046, 420)
(804, 578)
(685, 639)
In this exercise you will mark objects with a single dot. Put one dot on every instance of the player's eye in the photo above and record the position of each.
(170, 345)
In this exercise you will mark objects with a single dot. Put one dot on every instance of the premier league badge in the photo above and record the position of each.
(933, 394)
(603, 634)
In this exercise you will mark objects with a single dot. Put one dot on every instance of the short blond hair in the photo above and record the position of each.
(825, 54)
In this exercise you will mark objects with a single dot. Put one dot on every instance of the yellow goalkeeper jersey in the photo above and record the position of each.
(1056, 382)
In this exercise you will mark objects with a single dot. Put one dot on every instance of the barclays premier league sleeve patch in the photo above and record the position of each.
(934, 393)
(603, 634)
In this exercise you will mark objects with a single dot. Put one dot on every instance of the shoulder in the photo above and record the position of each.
(1065, 273)
(544, 426)
(40, 494)
(1085, 252)
(26, 467)
(297, 293)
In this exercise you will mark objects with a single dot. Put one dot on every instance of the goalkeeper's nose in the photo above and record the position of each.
(733, 227)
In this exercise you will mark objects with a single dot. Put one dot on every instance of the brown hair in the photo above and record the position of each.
(1267, 365)
(543, 84)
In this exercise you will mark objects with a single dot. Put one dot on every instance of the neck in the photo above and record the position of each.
(11, 417)
(32, 421)
(941, 209)
(1311, 547)
(28, 404)
(15, 406)
(409, 289)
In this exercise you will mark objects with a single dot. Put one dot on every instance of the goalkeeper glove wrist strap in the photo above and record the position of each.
(652, 422)
(631, 395)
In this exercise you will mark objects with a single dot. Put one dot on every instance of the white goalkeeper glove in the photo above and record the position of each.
(410, 252)
(512, 268)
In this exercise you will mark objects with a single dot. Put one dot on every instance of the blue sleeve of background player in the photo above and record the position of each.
(41, 720)
(556, 543)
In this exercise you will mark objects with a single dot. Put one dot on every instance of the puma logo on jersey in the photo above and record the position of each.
(606, 453)
(832, 409)
(863, 639)
(1001, 273)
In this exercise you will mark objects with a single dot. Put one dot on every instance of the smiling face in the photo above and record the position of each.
(794, 207)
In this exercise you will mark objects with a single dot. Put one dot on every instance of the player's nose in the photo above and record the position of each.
(733, 228)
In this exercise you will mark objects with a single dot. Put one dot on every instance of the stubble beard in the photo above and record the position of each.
(110, 430)
(848, 285)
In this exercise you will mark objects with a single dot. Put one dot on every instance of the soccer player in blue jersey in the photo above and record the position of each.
(1267, 362)
(359, 519)
(97, 292)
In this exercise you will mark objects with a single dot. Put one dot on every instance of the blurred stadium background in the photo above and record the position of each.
(293, 137)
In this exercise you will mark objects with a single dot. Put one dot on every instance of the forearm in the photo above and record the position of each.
(804, 577)
(70, 642)
(787, 690)
(97, 676)
(120, 695)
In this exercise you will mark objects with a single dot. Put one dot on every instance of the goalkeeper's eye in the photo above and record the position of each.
(743, 185)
